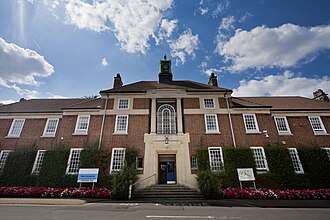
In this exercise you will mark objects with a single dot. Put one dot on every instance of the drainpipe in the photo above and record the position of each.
(103, 120)
(230, 122)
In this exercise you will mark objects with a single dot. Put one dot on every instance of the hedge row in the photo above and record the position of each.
(18, 167)
(281, 173)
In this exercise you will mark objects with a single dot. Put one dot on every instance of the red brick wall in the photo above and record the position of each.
(191, 103)
(222, 103)
(141, 103)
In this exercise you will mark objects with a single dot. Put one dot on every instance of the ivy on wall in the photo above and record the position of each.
(18, 167)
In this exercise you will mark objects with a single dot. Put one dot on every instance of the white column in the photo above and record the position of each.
(153, 115)
(179, 115)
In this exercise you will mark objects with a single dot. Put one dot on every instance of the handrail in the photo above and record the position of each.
(132, 184)
(144, 179)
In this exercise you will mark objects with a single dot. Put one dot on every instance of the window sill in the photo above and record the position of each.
(213, 132)
(12, 137)
(321, 134)
(285, 134)
(47, 136)
(252, 132)
(120, 133)
(80, 134)
(262, 171)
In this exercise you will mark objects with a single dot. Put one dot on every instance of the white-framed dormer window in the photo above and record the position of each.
(38, 162)
(51, 127)
(216, 158)
(211, 123)
(208, 103)
(117, 159)
(298, 168)
(328, 151)
(121, 124)
(16, 128)
(317, 125)
(73, 162)
(251, 124)
(82, 125)
(123, 103)
(260, 159)
(282, 125)
(3, 157)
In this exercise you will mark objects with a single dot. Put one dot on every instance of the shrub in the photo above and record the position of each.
(18, 167)
(316, 166)
(52, 173)
(122, 179)
(210, 184)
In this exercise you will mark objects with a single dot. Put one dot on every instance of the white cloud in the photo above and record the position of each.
(211, 70)
(283, 46)
(221, 8)
(21, 66)
(227, 23)
(104, 62)
(281, 85)
(203, 11)
(184, 46)
(134, 22)
(166, 29)
(6, 102)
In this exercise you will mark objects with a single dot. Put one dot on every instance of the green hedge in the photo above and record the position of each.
(122, 179)
(281, 173)
(52, 173)
(316, 166)
(18, 167)
(92, 157)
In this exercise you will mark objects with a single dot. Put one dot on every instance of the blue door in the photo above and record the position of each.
(171, 176)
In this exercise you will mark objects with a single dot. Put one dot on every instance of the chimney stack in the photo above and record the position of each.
(117, 81)
(213, 80)
(320, 96)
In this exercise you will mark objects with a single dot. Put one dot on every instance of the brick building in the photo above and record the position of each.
(167, 121)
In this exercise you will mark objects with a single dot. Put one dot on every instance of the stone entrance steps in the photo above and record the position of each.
(167, 192)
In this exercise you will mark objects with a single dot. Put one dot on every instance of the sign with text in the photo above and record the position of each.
(245, 174)
(88, 175)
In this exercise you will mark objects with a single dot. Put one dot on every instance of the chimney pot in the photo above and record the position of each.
(321, 96)
(117, 81)
(213, 80)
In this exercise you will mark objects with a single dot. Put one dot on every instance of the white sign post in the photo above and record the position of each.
(88, 175)
(246, 174)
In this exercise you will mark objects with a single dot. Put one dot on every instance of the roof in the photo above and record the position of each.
(143, 86)
(280, 103)
(49, 105)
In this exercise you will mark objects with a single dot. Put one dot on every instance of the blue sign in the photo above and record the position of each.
(88, 175)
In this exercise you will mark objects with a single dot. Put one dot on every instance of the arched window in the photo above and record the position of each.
(166, 120)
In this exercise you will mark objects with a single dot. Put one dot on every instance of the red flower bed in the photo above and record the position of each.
(46, 192)
(251, 193)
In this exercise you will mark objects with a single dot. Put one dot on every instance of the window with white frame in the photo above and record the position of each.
(282, 125)
(166, 120)
(216, 158)
(328, 152)
(260, 159)
(73, 162)
(82, 124)
(296, 161)
(38, 162)
(16, 128)
(123, 103)
(121, 124)
(317, 125)
(251, 124)
(211, 123)
(193, 162)
(117, 159)
(51, 127)
(3, 157)
(208, 103)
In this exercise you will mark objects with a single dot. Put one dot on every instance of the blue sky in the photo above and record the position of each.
(74, 48)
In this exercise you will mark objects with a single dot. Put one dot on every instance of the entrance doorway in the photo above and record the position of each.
(167, 169)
